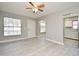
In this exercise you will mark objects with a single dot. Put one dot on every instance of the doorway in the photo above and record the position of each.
(41, 29)
(71, 35)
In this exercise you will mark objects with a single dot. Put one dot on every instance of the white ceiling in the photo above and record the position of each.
(19, 7)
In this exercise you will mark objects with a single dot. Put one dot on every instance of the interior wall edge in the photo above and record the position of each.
(60, 43)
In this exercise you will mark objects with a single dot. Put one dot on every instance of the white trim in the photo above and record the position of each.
(12, 40)
(39, 35)
(71, 14)
(55, 41)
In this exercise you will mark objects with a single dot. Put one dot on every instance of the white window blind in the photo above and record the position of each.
(42, 26)
(12, 26)
(75, 24)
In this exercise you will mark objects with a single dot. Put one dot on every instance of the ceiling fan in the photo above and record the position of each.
(35, 8)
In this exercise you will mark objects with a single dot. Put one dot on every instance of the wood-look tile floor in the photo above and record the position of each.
(39, 47)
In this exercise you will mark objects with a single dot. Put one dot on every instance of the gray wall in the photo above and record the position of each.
(54, 22)
(54, 27)
(23, 21)
(37, 27)
(31, 26)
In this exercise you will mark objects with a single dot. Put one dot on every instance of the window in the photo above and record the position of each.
(75, 24)
(12, 26)
(42, 26)
(68, 23)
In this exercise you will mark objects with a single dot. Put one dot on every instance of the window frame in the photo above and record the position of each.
(13, 27)
(73, 24)
(42, 26)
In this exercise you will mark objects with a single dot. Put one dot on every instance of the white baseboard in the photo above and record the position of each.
(12, 40)
(38, 36)
(55, 41)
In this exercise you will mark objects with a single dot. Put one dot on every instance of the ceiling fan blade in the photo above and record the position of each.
(28, 8)
(31, 4)
(41, 6)
(40, 10)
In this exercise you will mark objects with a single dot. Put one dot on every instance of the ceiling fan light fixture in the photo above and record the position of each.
(35, 10)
